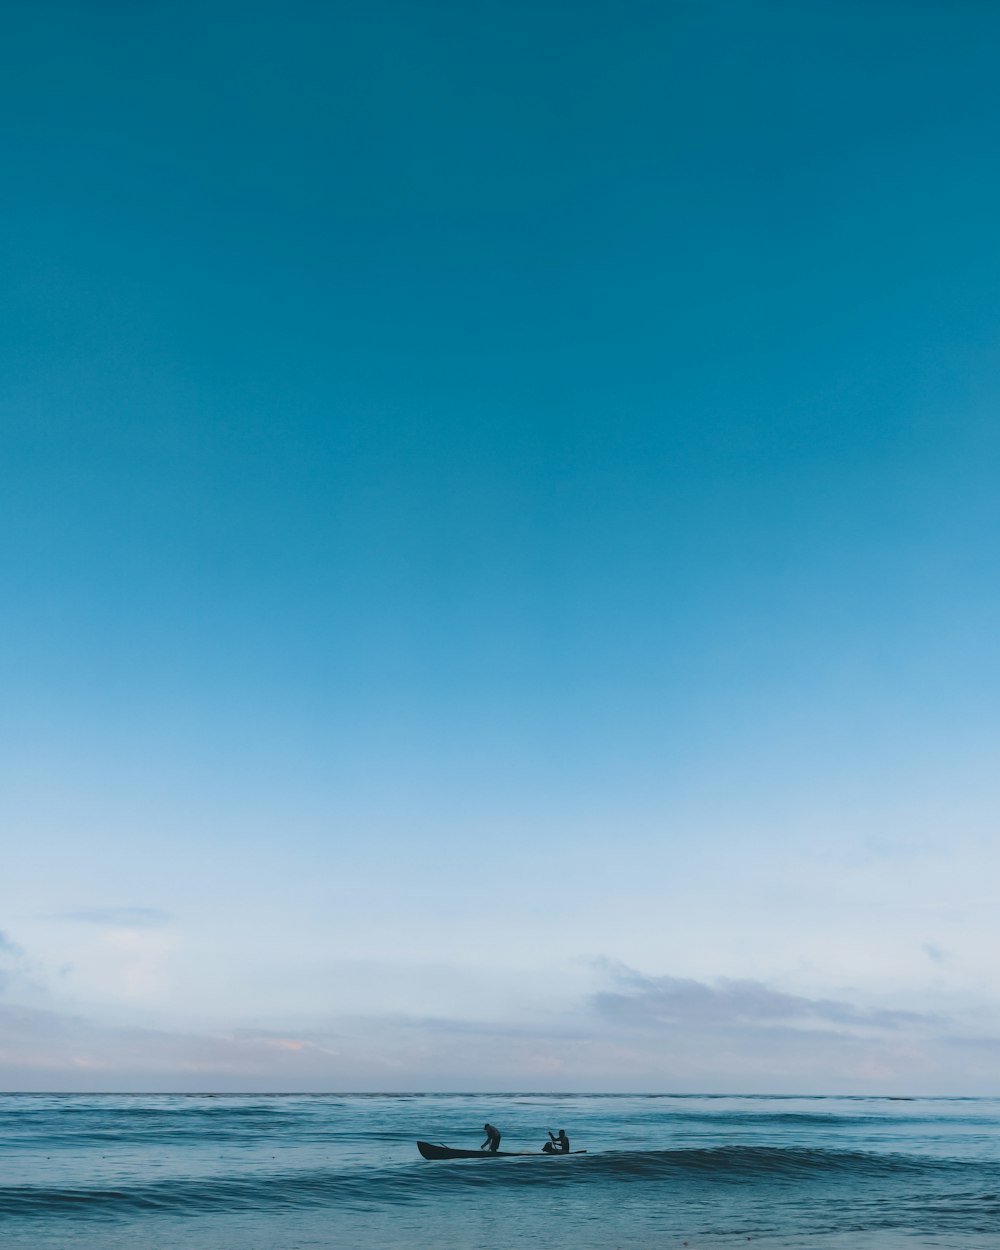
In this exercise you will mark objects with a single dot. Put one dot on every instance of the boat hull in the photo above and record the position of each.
(431, 1151)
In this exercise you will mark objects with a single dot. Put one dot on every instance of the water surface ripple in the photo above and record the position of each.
(290, 1172)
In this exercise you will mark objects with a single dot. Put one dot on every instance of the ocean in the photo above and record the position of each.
(290, 1172)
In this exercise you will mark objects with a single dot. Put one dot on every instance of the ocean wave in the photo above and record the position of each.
(362, 1188)
(760, 1161)
(719, 1163)
(828, 1127)
(257, 1191)
(81, 1125)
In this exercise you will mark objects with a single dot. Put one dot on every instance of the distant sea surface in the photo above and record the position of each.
(291, 1172)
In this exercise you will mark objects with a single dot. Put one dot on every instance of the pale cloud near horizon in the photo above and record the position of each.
(651, 1002)
(635, 1032)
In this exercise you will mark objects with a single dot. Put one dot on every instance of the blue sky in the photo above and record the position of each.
(499, 542)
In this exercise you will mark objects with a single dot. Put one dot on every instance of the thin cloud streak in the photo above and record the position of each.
(116, 917)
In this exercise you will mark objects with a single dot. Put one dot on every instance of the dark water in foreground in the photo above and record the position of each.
(294, 1172)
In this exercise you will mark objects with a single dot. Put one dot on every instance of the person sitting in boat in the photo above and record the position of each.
(492, 1139)
(558, 1145)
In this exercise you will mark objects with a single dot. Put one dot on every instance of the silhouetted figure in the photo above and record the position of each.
(558, 1145)
(492, 1139)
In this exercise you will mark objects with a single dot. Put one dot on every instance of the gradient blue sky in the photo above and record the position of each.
(499, 543)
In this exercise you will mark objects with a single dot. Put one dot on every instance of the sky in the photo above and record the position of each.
(498, 546)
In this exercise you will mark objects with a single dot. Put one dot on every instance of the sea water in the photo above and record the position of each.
(287, 1172)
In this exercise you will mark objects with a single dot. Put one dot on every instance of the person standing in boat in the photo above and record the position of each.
(558, 1145)
(492, 1139)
